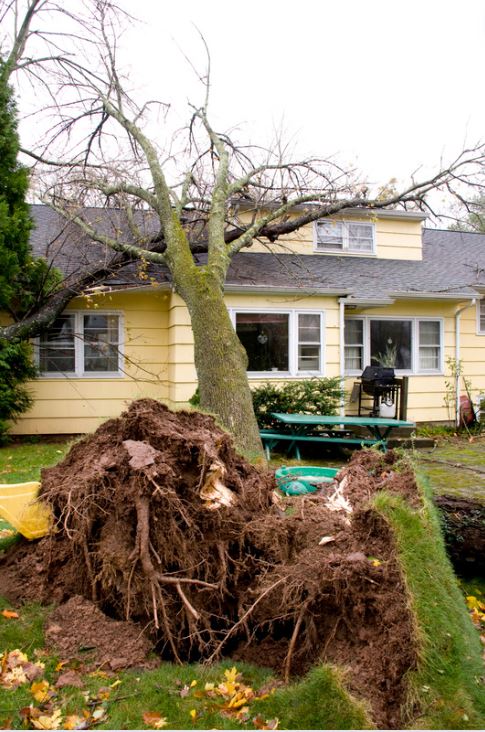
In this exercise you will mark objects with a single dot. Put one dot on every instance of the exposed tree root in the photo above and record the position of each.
(162, 523)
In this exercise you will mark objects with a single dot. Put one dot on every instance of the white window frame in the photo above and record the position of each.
(480, 316)
(415, 369)
(79, 372)
(293, 341)
(346, 247)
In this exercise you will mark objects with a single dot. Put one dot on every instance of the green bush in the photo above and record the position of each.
(15, 368)
(308, 396)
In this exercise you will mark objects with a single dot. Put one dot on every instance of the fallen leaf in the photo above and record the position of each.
(40, 690)
(374, 561)
(326, 540)
(261, 723)
(103, 694)
(61, 665)
(231, 675)
(9, 614)
(45, 721)
(16, 669)
(73, 721)
(472, 602)
(154, 720)
(193, 683)
(99, 715)
(99, 674)
(70, 678)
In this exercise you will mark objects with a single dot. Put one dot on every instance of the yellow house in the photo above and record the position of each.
(336, 296)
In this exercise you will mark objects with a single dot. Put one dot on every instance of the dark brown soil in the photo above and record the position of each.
(463, 524)
(78, 629)
(162, 524)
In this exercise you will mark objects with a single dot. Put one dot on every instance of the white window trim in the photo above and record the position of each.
(415, 320)
(480, 305)
(345, 243)
(79, 372)
(293, 341)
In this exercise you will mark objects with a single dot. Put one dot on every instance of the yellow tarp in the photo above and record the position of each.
(18, 506)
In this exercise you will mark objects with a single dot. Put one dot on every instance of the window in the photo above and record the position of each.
(344, 236)
(354, 345)
(410, 345)
(481, 316)
(429, 345)
(390, 343)
(81, 344)
(57, 346)
(288, 342)
(309, 341)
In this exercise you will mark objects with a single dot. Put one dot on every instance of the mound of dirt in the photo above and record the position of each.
(161, 523)
(78, 629)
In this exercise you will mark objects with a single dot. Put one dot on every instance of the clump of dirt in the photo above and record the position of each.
(161, 523)
(78, 629)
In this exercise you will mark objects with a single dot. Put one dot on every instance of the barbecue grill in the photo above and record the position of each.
(380, 383)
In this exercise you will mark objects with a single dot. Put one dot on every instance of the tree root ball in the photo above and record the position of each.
(160, 522)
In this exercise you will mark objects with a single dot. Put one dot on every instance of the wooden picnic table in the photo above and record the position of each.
(297, 428)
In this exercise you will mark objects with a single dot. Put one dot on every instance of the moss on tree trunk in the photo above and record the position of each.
(221, 362)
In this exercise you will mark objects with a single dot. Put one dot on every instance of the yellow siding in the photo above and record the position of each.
(426, 401)
(395, 239)
(160, 361)
(72, 405)
(472, 352)
(181, 369)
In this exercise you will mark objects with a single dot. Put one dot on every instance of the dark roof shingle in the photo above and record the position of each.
(453, 263)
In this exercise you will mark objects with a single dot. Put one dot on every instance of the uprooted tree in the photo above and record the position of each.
(199, 189)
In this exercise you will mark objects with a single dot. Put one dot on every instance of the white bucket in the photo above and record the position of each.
(387, 409)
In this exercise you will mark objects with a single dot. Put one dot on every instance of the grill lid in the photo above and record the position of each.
(377, 373)
(377, 379)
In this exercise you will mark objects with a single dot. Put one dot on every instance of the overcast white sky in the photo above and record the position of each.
(388, 85)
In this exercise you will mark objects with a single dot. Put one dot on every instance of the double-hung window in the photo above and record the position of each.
(81, 344)
(481, 317)
(409, 345)
(289, 342)
(344, 236)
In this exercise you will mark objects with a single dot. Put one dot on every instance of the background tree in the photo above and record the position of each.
(23, 280)
(183, 193)
(471, 216)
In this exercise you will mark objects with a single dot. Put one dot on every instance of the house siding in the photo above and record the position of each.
(159, 360)
(426, 401)
(394, 238)
(159, 356)
(69, 405)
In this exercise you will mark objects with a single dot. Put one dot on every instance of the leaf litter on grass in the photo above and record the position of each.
(46, 710)
(230, 697)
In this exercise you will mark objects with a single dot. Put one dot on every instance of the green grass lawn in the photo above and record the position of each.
(456, 466)
(23, 462)
(447, 682)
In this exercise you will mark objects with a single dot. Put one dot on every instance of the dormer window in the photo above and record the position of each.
(345, 236)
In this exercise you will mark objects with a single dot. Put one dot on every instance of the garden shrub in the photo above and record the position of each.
(306, 396)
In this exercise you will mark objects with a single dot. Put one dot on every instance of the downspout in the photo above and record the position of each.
(342, 355)
(457, 357)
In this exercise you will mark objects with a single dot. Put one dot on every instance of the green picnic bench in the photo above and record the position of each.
(298, 428)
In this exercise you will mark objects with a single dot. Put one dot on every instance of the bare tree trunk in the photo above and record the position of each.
(221, 363)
